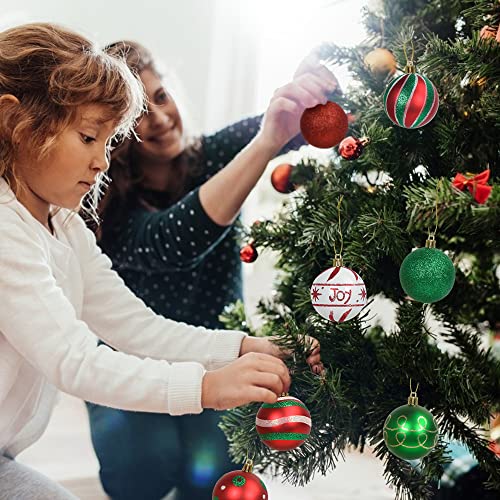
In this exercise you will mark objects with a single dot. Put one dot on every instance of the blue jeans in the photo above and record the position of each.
(143, 456)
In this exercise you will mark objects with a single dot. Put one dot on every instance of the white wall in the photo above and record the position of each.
(178, 31)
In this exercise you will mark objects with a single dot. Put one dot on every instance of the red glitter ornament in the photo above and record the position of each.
(280, 178)
(249, 253)
(351, 148)
(283, 425)
(240, 485)
(325, 125)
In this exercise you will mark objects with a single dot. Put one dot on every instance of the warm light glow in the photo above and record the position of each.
(286, 30)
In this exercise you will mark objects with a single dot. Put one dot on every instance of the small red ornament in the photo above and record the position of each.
(325, 125)
(249, 253)
(476, 185)
(283, 425)
(240, 485)
(280, 178)
(351, 148)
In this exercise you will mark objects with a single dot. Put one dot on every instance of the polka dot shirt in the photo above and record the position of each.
(182, 264)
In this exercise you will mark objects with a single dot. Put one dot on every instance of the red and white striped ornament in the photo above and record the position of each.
(411, 100)
(338, 294)
(283, 425)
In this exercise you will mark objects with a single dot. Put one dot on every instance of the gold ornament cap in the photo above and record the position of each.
(338, 261)
(410, 67)
(431, 241)
(413, 398)
(248, 467)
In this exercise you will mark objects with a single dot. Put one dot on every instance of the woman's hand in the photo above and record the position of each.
(311, 85)
(268, 346)
(254, 377)
(312, 64)
(281, 121)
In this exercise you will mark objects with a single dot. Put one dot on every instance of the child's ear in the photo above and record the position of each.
(6, 126)
(9, 97)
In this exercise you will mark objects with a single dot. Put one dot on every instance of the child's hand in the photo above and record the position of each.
(254, 377)
(282, 119)
(267, 346)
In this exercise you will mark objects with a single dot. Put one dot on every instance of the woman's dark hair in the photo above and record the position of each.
(125, 190)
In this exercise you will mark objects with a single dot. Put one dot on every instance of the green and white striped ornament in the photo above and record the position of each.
(411, 100)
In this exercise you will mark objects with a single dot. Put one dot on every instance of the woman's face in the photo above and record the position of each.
(160, 129)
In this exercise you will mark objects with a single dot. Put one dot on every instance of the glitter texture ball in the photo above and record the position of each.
(280, 178)
(283, 425)
(240, 485)
(324, 126)
(427, 275)
(410, 432)
(338, 294)
(411, 101)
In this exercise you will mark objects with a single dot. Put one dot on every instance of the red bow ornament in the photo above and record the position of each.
(476, 185)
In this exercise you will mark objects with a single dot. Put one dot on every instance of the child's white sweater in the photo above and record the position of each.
(57, 294)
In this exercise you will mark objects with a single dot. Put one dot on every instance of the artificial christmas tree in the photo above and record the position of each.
(369, 369)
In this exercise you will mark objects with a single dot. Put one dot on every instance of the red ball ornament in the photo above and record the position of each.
(325, 125)
(283, 425)
(351, 148)
(249, 253)
(280, 178)
(240, 485)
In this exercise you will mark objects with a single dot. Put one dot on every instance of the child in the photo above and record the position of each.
(61, 102)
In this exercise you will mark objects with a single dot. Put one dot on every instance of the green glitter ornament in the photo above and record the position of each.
(427, 274)
(410, 431)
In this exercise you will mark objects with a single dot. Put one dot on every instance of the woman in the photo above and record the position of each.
(167, 226)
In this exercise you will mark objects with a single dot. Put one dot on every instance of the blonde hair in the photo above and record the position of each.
(52, 71)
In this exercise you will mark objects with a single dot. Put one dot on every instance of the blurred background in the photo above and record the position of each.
(223, 60)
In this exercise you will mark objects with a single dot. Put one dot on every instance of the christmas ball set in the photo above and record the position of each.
(338, 293)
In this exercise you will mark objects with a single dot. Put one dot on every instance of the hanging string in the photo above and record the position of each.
(248, 467)
(416, 388)
(338, 255)
(410, 62)
(413, 398)
(432, 234)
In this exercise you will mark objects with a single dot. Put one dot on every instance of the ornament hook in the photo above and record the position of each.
(410, 65)
(431, 240)
(413, 398)
(248, 467)
(338, 261)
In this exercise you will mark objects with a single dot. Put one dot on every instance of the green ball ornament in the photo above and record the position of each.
(410, 431)
(427, 274)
